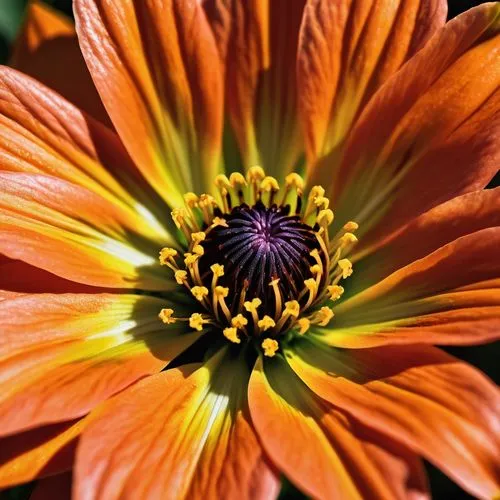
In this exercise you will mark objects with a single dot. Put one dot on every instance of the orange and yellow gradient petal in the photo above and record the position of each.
(80, 350)
(433, 403)
(420, 154)
(258, 41)
(185, 431)
(321, 449)
(156, 67)
(347, 50)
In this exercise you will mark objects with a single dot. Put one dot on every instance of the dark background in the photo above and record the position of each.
(487, 358)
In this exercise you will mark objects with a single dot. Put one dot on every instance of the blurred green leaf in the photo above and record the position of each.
(11, 15)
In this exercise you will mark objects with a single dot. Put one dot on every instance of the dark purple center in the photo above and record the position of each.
(260, 244)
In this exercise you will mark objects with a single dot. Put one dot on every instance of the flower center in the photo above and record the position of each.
(261, 263)
(259, 245)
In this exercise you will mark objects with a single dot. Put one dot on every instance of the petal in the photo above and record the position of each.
(451, 296)
(38, 453)
(320, 449)
(347, 50)
(53, 487)
(17, 277)
(185, 431)
(156, 67)
(47, 48)
(433, 403)
(61, 355)
(430, 133)
(258, 41)
(42, 133)
(74, 233)
(442, 224)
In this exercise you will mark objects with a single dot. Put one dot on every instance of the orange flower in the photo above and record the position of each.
(274, 323)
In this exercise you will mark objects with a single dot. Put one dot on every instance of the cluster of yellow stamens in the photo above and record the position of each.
(230, 308)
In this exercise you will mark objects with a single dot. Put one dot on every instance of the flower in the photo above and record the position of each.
(191, 315)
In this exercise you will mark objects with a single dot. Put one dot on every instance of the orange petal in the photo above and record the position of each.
(257, 41)
(17, 277)
(74, 233)
(185, 431)
(47, 49)
(347, 50)
(53, 487)
(75, 351)
(42, 133)
(430, 133)
(324, 452)
(156, 67)
(38, 453)
(429, 401)
(442, 224)
(451, 296)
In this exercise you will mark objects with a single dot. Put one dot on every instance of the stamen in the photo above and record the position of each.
(277, 297)
(335, 292)
(231, 334)
(239, 321)
(166, 316)
(251, 307)
(167, 255)
(346, 267)
(180, 276)
(304, 324)
(270, 346)
(199, 292)
(323, 316)
(196, 321)
(266, 322)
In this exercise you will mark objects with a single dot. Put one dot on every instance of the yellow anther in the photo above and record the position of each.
(206, 200)
(180, 276)
(346, 266)
(166, 316)
(251, 306)
(294, 180)
(196, 321)
(325, 216)
(221, 181)
(325, 314)
(335, 291)
(190, 199)
(315, 269)
(231, 334)
(178, 216)
(218, 221)
(167, 254)
(348, 239)
(311, 285)
(198, 250)
(292, 308)
(316, 191)
(255, 174)
(199, 292)
(221, 291)
(270, 346)
(198, 237)
(351, 226)
(269, 184)
(237, 179)
(304, 325)
(239, 321)
(266, 322)
(190, 258)
(321, 202)
(217, 269)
